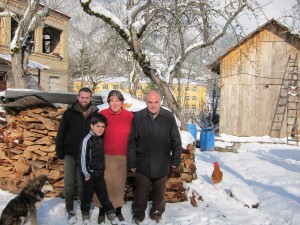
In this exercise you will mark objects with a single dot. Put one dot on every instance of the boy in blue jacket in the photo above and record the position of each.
(92, 168)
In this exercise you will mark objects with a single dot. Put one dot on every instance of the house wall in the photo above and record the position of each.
(59, 67)
(251, 77)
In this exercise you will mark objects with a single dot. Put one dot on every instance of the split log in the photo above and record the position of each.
(27, 149)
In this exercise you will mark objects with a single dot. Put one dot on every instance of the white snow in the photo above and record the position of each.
(245, 194)
(271, 171)
(186, 138)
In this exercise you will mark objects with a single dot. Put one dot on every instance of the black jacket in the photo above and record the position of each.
(92, 154)
(71, 131)
(154, 146)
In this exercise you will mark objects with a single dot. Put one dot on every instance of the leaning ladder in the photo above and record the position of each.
(293, 105)
(286, 101)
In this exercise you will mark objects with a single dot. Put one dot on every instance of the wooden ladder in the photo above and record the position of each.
(287, 103)
(293, 105)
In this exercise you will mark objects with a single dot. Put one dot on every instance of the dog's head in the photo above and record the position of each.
(42, 183)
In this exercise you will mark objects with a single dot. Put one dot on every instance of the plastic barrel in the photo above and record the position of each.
(207, 140)
(192, 129)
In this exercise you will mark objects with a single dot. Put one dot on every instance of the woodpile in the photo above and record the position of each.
(175, 190)
(27, 149)
(188, 165)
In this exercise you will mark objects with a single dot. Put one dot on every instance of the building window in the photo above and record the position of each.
(139, 87)
(187, 88)
(179, 88)
(105, 86)
(194, 88)
(187, 97)
(194, 98)
(186, 107)
(51, 39)
(116, 87)
(193, 107)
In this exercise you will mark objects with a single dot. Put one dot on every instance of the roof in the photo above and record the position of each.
(24, 98)
(31, 64)
(215, 66)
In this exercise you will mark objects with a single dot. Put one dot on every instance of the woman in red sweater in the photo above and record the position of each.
(115, 150)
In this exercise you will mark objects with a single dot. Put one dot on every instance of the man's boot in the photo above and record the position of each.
(71, 217)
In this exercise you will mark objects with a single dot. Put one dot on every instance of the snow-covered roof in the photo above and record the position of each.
(31, 64)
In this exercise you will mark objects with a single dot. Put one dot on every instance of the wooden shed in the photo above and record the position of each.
(259, 83)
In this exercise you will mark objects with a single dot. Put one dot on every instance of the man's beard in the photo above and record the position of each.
(84, 108)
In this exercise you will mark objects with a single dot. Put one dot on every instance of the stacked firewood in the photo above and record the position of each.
(27, 149)
(188, 166)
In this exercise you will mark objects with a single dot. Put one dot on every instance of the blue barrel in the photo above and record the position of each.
(207, 139)
(192, 129)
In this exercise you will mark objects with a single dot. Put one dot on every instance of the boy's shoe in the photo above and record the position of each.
(115, 221)
(101, 219)
(121, 217)
(71, 217)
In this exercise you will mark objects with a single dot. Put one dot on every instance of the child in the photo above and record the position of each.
(92, 168)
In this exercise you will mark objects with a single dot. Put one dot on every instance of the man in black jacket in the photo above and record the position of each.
(73, 127)
(154, 148)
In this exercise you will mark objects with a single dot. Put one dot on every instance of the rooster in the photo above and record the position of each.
(217, 174)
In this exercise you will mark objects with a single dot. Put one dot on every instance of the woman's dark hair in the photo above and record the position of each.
(116, 93)
(98, 118)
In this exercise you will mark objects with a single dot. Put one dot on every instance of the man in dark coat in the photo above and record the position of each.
(154, 148)
(73, 127)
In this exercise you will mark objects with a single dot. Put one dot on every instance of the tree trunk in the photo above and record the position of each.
(18, 75)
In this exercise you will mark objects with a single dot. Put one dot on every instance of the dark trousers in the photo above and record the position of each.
(95, 184)
(72, 180)
(143, 185)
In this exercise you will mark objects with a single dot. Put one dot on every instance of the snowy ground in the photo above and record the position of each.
(271, 171)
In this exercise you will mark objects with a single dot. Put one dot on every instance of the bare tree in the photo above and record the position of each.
(292, 16)
(178, 28)
(22, 44)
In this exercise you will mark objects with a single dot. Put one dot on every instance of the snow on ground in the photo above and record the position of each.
(270, 171)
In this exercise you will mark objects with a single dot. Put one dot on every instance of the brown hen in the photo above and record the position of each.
(217, 174)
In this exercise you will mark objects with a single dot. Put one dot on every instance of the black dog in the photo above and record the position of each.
(23, 208)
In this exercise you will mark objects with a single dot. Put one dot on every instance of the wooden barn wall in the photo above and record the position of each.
(250, 82)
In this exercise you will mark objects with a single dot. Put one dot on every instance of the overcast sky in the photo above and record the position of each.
(274, 10)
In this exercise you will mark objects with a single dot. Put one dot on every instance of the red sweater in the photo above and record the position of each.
(117, 131)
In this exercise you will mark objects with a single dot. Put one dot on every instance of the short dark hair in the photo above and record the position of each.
(84, 89)
(98, 118)
(116, 93)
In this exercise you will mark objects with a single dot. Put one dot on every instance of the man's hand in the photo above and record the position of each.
(133, 170)
(87, 178)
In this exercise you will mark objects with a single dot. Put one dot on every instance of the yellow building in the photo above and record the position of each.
(190, 95)
(49, 60)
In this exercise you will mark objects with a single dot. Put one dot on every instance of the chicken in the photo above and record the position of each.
(217, 174)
